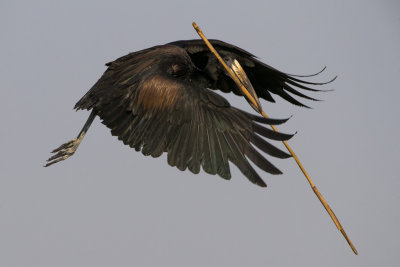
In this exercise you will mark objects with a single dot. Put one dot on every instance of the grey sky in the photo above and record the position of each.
(111, 206)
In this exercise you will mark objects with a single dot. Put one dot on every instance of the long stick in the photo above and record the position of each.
(249, 96)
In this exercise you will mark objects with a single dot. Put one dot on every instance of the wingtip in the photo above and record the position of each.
(309, 75)
(261, 183)
(291, 136)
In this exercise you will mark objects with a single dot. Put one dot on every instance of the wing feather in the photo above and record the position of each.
(260, 161)
(270, 134)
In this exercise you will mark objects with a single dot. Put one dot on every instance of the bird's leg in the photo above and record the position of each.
(68, 149)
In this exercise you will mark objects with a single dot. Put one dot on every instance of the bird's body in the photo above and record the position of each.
(162, 99)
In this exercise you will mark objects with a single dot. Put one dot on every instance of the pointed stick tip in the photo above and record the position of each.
(349, 241)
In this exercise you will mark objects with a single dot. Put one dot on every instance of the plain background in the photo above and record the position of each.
(111, 206)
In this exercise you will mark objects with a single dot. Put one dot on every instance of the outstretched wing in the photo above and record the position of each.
(155, 111)
(265, 79)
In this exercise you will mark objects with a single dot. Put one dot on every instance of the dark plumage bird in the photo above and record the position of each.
(162, 99)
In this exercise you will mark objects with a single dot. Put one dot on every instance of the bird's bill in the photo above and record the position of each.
(244, 80)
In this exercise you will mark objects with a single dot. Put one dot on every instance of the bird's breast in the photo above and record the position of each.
(158, 93)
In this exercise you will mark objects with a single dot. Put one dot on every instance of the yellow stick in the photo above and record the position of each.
(249, 96)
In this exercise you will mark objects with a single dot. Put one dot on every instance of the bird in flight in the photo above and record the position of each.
(163, 99)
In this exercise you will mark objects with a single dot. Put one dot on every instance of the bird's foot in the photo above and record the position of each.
(64, 151)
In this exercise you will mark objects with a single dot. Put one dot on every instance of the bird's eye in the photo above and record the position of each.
(178, 70)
